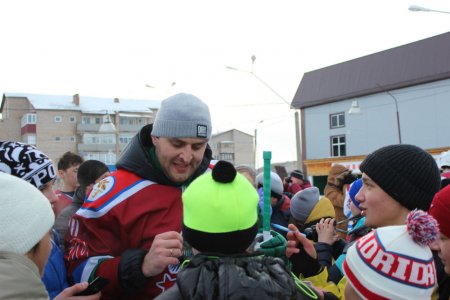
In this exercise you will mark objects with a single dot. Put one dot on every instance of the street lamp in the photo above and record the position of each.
(416, 8)
(297, 126)
(256, 145)
(356, 110)
(397, 114)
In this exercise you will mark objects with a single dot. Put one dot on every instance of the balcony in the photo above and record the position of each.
(129, 127)
(88, 127)
(96, 147)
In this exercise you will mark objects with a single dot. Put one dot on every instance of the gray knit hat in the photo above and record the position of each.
(303, 202)
(183, 116)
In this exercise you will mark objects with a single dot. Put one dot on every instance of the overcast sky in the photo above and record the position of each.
(116, 48)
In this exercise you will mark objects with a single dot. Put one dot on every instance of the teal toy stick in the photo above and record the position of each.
(267, 156)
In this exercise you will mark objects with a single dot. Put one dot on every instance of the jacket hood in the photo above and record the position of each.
(334, 172)
(135, 158)
(323, 209)
(19, 278)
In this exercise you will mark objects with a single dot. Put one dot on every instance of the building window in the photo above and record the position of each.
(226, 156)
(72, 119)
(99, 139)
(98, 120)
(72, 139)
(337, 120)
(125, 139)
(31, 140)
(338, 147)
(86, 120)
(57, 138)
(108, 158)
(58, 119)
(28, 119)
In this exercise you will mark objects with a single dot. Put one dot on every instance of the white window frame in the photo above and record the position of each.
(57, 119)
(337, 117)
(338, 144)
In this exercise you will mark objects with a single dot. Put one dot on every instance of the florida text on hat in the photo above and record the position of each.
(406, 172)
(220, 211)
(25, 215)
(183, 116)
(26, 162)
(394, 262)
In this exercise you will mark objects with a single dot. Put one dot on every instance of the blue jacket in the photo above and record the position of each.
(55, 276)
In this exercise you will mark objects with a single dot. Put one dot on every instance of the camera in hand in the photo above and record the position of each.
(349, 178)
(288, 179)
(311, 233)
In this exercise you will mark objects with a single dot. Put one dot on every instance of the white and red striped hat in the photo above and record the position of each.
(394, 262)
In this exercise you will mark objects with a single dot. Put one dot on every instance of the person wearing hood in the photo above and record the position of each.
(128, 230)
(339, 177)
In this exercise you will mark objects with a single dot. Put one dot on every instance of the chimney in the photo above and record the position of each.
(76, 99)
(116, 100)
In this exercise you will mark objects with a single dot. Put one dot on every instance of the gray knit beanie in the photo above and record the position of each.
(183, 116)
(303, 202)
(406, 172)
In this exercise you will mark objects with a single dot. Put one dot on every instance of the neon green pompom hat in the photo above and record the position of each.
(220, 211)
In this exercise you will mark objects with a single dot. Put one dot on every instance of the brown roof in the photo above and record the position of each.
(411, 64)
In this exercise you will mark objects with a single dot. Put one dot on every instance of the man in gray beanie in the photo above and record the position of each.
(128, 230)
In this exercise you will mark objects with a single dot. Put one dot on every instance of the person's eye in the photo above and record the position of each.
(197, 146)
(177, 144)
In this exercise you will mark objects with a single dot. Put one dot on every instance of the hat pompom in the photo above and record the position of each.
(422, 227)
(224, 172)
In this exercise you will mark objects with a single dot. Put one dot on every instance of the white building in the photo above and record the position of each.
(400, 95)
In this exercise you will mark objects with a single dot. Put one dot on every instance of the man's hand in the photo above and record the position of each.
(325, 231)
(165, 250)
(301, 253)
(295, 238)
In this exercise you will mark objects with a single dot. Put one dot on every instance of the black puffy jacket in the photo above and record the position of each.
(208, 277)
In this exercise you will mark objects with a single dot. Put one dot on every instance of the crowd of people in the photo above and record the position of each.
(173, 223)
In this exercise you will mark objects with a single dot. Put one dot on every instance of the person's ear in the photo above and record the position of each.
(61, 173)
(154, 139)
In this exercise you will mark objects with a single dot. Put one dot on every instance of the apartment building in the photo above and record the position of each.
(234, 146)
(95, 128)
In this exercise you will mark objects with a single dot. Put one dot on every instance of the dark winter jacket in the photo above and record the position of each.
(208, 277)
(281, 213)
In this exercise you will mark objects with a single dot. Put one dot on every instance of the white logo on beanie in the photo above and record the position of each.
(202, 131)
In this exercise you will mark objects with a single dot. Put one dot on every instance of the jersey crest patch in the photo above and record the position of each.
(102, 188)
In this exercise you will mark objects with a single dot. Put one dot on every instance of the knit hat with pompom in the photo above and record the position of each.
(220, 211)
(394, 262)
